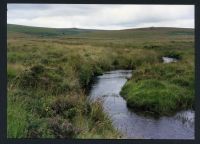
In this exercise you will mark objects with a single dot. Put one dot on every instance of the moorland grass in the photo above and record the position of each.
(49, 72)
(162, 89)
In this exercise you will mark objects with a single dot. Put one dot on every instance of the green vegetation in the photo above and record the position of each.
(49, 71)
(160, 88)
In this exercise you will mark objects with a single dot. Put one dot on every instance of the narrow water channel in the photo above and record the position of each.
(132, 125)
(168, 60)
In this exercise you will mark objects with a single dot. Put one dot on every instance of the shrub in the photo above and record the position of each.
(38, 128)
(43, 78)
(115, 62)
(173, 54)
(65, 106)
(37, 69)
(62, 128)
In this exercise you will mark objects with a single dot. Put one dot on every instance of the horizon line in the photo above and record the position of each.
(98, 29)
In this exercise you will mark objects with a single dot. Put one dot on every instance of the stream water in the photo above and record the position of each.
(168, 60)
(134, 125)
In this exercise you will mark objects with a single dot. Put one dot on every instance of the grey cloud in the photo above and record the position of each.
(100, 16)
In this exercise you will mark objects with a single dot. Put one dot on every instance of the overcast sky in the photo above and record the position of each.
(101, 16)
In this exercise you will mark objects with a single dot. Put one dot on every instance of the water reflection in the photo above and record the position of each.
(108, 86)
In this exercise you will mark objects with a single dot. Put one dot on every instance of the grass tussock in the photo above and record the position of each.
(161, 89)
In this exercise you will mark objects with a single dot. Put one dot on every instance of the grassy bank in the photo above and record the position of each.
(163, 89)
(49, 72)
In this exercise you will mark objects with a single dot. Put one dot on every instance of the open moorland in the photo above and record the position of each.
(50, 71)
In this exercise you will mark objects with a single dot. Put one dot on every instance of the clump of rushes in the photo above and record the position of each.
(62, 128)
(41, 77)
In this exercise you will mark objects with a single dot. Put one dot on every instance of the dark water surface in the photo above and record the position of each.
(108, 87)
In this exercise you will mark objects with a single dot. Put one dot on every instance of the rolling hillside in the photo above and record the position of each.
(39, 31)
(152, 32)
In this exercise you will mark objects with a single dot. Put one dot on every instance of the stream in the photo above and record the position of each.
(134, 125)
(168, 60)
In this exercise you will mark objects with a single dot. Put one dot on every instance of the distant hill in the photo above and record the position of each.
(41, 31)
(75, 32)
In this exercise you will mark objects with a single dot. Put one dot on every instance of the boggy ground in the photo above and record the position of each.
(49, 71)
